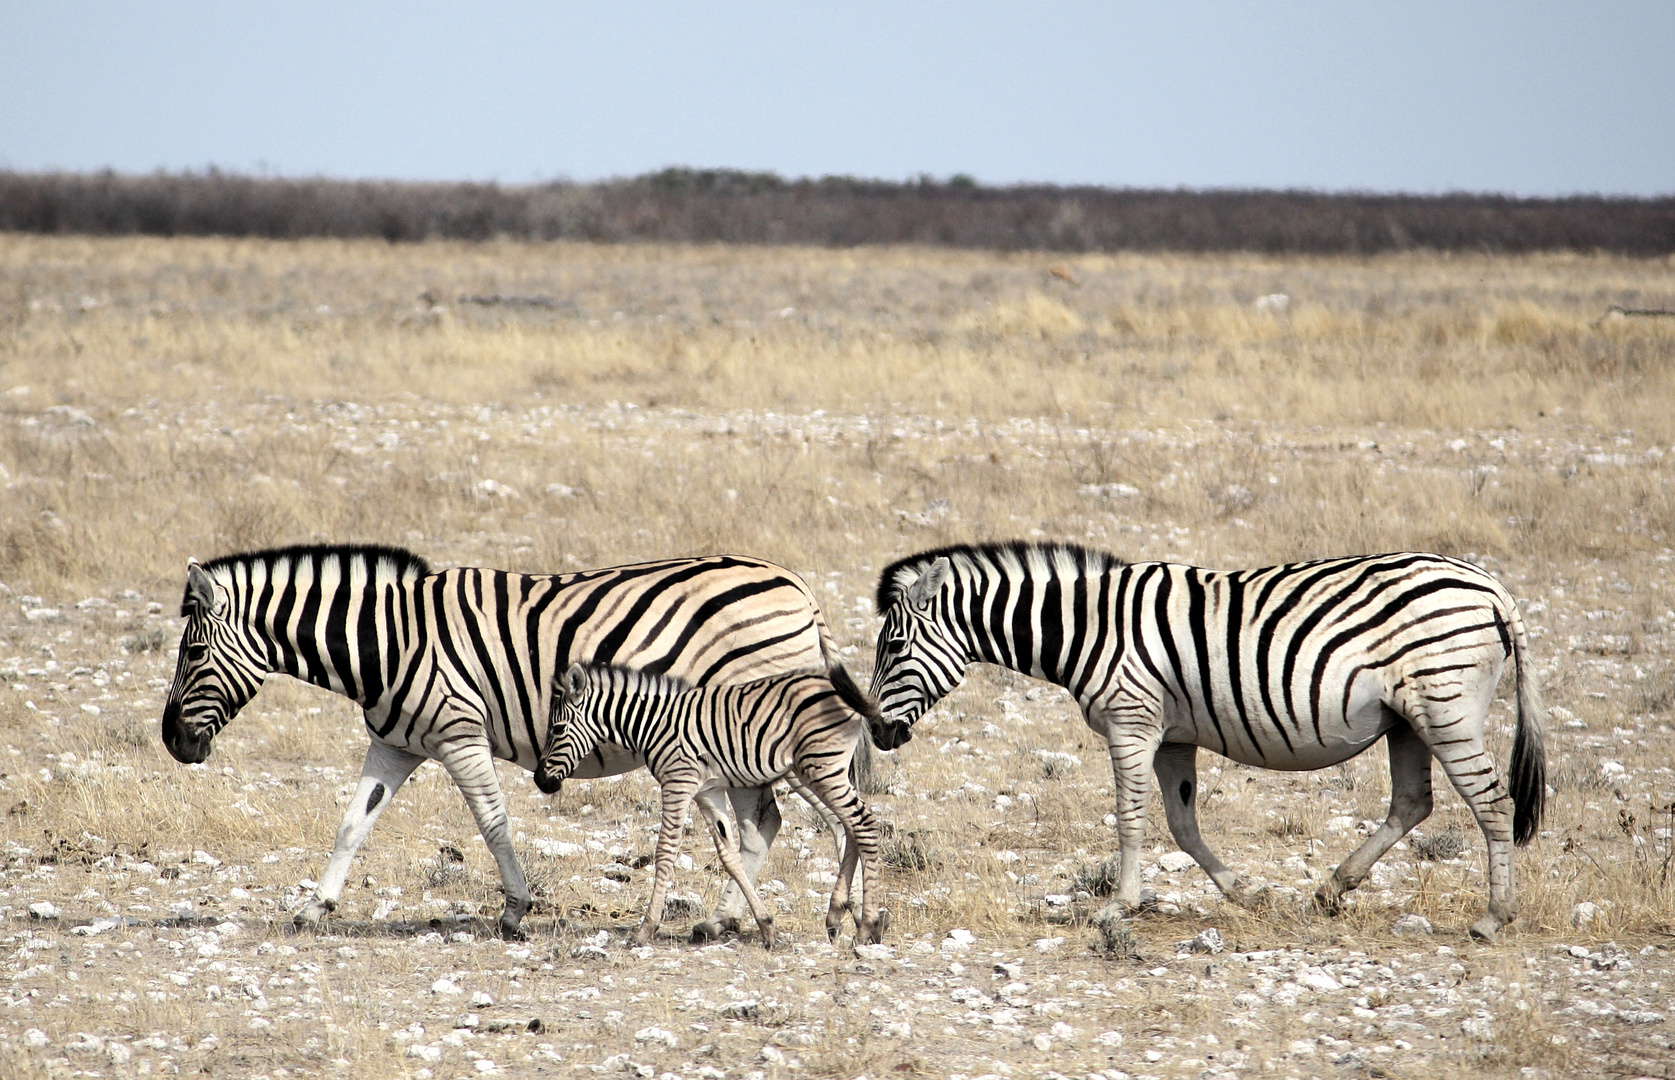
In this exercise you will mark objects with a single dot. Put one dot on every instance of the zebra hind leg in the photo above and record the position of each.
(861, 825)
(1472, 771)
(1176, 767)
(1410, 803)
(757, 813)
(471, 764)
(841, 895)
(726, 848)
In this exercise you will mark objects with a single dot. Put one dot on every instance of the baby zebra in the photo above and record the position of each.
(700, 741)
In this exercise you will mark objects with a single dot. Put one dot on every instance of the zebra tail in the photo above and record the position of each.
(1529, 756)
(861, 773)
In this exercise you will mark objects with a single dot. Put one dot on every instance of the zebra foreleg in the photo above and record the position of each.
(1133, 747)
(678, 790)
(471, 764)
(385, 770)
(1176, 767)
(757, 813)
(1410, 803)
(726, 847)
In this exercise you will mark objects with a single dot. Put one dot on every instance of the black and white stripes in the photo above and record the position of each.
(697, 741)
(1285, 667)
(458, 665)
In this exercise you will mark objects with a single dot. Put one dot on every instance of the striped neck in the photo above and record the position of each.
(1022, 606)
(331, 616)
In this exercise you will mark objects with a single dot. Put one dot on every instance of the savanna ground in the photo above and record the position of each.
(829, 410)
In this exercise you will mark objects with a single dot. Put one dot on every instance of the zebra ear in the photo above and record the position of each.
(574, 681)
(200, 590)
(926, 585)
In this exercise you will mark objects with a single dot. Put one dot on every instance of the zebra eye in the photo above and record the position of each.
(196, 651)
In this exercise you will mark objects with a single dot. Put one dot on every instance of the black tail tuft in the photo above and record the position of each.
(1529, 786)
(852, 695)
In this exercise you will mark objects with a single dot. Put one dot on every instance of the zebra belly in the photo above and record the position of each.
(607, 760)
(1300, 748)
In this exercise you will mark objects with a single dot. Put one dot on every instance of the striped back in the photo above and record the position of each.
(1259, 662)
(409, 645)
(751, 733)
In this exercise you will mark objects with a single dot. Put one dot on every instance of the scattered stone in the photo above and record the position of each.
(958, 940)
(748, 1009)
(1048, 944)
(1317, 979)
(657, 1035)
(1411, 924)
(1584, 913)
(97, 926)
(1206, 941)
(875, 952)
(1175, 861)
(446, 988)
(44, 909)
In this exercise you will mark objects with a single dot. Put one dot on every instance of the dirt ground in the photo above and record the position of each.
(145, 906)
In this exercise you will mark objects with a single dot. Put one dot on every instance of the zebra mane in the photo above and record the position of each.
(633, 680)
(401, 561)
(1042, 557)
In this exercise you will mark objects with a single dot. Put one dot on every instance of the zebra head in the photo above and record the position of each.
(568, 736)
(919, 658)
(217, 673)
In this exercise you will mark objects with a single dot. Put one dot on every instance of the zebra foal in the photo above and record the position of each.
(1285, 667)
(699, 741)
(456, 665)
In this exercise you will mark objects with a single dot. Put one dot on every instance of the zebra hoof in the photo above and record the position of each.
(1485, 929)
(713, 929)
(313, 914)
(512, 929)
(767, 928)
(1328, 903)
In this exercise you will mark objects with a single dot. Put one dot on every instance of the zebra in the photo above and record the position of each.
(1286, 667)
(699, 741)
(456, 666)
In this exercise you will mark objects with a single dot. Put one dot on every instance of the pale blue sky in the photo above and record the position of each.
(1524, 98)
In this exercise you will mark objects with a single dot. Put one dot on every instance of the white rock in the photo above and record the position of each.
(773, 1055)
(1206, 941)
(484, 1065)
(204, 858)
(44, 909)
(657, 1035)
(1047, 944)
(1584, 913)
(446, 987)
(1175, 861)
(1317, 979)
(1007, 857)
(35, 1039)
(875, 952)
(958, 940)
(481, 1000)
(1112, 1039)
(1042, 1043)
(97, 926)
(1411, 924)
(425, 1053)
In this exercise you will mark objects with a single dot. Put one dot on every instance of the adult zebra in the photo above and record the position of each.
(458, 666)
(1286, 667)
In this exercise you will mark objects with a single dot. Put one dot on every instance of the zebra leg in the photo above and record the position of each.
(1472, 771)
(757, 813)
(861, 827)
(385, 770)
(1176, 767)
(840, 837)
(1410, 803)
(471, 764)
(1133, 747)
(726, 846)
(678, 789)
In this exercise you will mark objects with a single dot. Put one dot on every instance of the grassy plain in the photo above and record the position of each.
(829, 410)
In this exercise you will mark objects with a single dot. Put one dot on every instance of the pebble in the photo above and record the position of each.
(44, 909)
(1411, 924)
(1584, 913)
(446, 987)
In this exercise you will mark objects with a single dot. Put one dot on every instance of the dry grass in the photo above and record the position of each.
(829, 410)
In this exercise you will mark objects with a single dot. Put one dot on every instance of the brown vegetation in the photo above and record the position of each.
(829, 410)
(723, 205)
